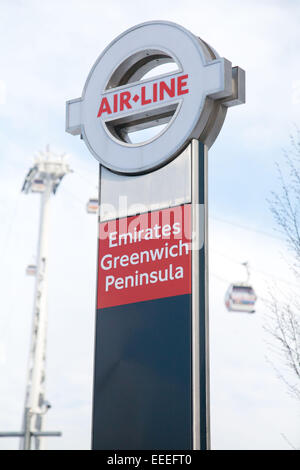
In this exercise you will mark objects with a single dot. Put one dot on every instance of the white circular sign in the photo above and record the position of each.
(120, 97)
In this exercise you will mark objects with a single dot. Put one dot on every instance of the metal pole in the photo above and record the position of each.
(195, 295)
(44, 177)
(27, 434)
(200, 337)
(33, 420)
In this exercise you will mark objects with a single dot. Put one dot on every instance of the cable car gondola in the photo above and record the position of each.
(31, 270)
(240, 296)
(38, 186)
(92, 206)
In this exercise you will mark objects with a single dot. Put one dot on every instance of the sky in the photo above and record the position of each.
(47, 49)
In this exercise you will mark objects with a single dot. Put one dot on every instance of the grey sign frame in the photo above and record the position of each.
(200, 298)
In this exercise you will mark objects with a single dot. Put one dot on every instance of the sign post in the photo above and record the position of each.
(151, 372)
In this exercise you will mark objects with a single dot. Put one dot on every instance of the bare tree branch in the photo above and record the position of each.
(283, 320)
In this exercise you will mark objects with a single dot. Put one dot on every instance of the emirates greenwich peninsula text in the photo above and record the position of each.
(145, 256)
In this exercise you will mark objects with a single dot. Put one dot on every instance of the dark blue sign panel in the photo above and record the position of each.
(143, 376)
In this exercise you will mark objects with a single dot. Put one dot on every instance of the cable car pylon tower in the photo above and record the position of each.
(43, 178)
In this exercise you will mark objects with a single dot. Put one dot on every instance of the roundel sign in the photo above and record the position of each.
(123, 94)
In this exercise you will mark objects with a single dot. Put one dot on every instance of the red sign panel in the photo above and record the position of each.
(144, 257)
